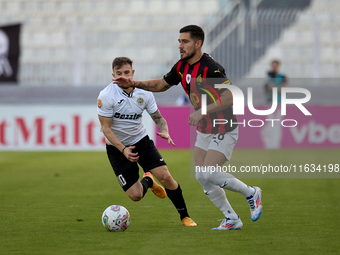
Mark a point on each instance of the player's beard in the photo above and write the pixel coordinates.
(123, 88)
(190, 55)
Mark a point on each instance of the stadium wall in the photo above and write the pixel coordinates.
(76, 127)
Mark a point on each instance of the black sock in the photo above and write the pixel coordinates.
(146, 183)
(177, 199)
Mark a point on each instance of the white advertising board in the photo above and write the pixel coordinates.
(54, 127)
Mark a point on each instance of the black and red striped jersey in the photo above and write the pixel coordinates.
(200, 78)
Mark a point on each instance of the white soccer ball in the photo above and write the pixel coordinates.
(116, 218)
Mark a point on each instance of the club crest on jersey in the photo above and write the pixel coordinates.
(99, 103)
(188, 78)
(140, 101)
(199, 80)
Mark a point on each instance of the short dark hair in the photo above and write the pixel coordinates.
(196, 32)
(120, 61)
(278, 62)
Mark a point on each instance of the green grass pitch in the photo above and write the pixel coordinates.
(52, 202)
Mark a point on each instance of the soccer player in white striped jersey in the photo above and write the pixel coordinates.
(120, 115)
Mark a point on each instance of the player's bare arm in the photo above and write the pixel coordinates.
(162, 126)
(105, 123)
(227, 101)
(160, 122)
(156, 85)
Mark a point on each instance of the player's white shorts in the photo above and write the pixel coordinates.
(223, 143)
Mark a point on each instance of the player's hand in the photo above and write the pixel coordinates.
(133, 157)
(194, 118)
(167, 137)
(123, 82)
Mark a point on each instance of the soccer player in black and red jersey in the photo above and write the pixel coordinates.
(198, 73)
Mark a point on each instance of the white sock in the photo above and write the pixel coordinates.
(217, 196)
(229, 182)
(240, 187)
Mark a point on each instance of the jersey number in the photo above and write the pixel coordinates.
(219, 137)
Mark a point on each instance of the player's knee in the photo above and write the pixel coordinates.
(202, 174)
(206, 175)
(202, 180)
(135, 196)
(199, 177)
(207, 179)
(167, 180)
(213, 179)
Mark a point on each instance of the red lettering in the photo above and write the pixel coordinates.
(89, 129)
(26, 133)
(3, 126)
(61, 136)
(76, 131)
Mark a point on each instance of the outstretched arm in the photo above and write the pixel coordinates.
(157, 85)
(162, 126)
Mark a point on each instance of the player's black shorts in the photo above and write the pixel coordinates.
(127, 172)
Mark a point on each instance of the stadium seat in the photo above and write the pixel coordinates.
(314, 40)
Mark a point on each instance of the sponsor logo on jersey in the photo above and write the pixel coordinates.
(217, 71)
(140, 101)
(99, 103)
(135, 116)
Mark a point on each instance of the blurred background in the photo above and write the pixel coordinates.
(60, 51)
(72, 43)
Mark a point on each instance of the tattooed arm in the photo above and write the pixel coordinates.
(162, 126)
(160, 122)
(157, 85)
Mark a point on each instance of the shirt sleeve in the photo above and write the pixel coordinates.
(151, 106)
(217, 76)
(172, 77)
(104, 106)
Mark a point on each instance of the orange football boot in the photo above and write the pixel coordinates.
(157, 189)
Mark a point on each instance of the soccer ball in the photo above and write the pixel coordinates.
(116, 218)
